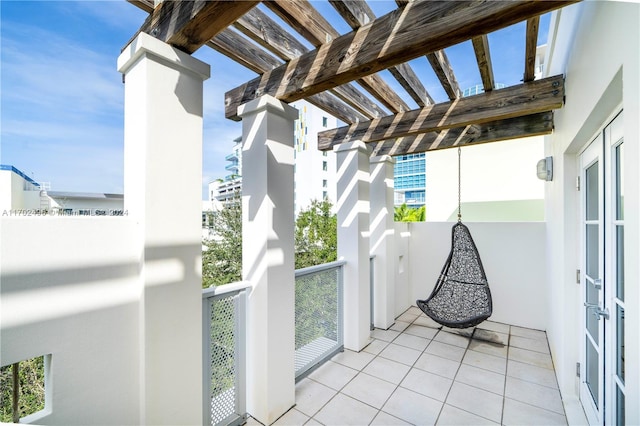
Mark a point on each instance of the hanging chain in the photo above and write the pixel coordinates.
(459, 185)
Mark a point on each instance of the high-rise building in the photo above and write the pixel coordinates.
(315, 171)
(409, 180)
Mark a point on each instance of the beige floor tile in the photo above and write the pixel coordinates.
(485, 361)
(311, 396)
(375, 347)
(400, 354)
(413, 342)
(333, 375)
(536, 345)
(531, 357)
(454, 353)
(292, 417)
(452, 339)
(483, 379)
(386, 335)
(534, 394)
(426, 322)
(491, 336)
(421, 331)
(386, 369)
(532, 373)
(519, 413)
(477, 401)
(384, 419)
(313, 422)
(400, 326)
(369, 389)
(351, 359)
(414, 310)
(412, 407)
(427, 384)
(252, 422)
(528, 332)
(343, 410)
(437, 365)
(490, 348)
(453, 416)
(494, 326)
(408, 317)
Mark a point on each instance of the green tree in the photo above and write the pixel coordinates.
(31, 389)
(403, 213)
(222, 260)
(316, 240)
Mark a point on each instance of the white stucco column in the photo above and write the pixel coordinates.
(268, 254)
(162, 188)
(353, 240)
(382, 240)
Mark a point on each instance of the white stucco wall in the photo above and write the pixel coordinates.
(503, 171)
(596, 45)
(513, 258)
(402, 298)
(69, 290)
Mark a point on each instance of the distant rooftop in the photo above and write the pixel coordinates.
(19, 173)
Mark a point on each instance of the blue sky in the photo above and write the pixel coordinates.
(61, 110)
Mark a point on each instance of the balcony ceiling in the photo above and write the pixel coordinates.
(324, 76)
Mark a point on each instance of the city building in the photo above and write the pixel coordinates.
(315, 177)
(409, 178)
(21, 195)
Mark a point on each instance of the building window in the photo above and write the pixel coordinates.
(324, 195)
(27, 377)
(325, 121)
(324, 153)
(324, 183)
(324, 166)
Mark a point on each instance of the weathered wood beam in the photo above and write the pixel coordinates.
(483, 57)
(187, 25)
(441, 66)
(531, 44)
(260, 28)
(401, 35)
(238, 48)
(146, 5)
(524, 99)
(494, 131)
(307, 21)
(358, 13)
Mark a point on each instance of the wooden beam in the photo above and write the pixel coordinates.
(483, 57)
(187, 25)
(494, 131)
(358, 13)
(530, 50)
(441, 66)
(515, 101)
(404, 34)
(238, 48)
(260, 28)
(307, 21)
(146, 5)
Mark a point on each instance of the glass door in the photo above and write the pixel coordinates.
(592, 365)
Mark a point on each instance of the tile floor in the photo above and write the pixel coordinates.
(418, 373)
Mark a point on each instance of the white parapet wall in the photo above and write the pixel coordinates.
(513, 256)
(70, 290)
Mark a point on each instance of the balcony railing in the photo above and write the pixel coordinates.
(224, 341)
(318, 316)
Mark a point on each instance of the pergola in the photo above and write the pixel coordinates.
(290, 71)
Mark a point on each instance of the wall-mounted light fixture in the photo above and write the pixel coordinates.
(544, 169)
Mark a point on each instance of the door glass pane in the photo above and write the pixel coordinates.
(619, 182)
(592, 192)
(619, 406)
(592, 371)
(592, 251)
(620, 262)
(620, 343)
